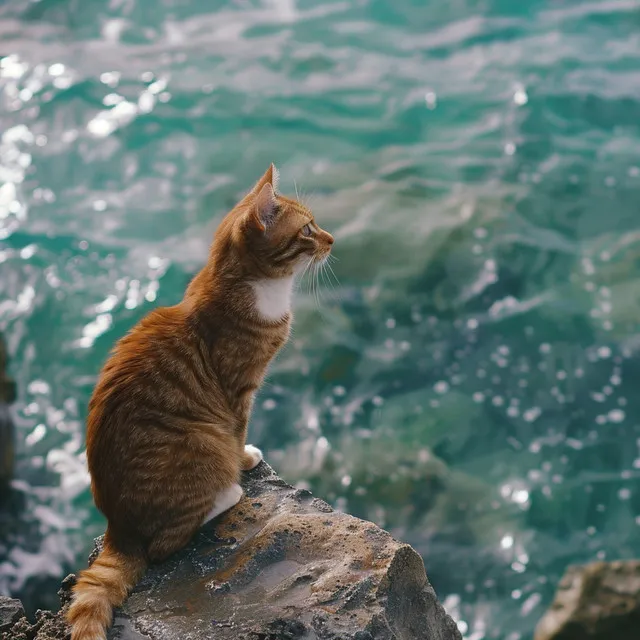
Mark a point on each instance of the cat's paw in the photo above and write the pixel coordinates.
(251, 458)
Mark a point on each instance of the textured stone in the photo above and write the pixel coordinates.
(281, 565)
(599, 601)
(10, 612)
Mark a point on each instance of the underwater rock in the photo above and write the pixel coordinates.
(282, 565)
(599, 601)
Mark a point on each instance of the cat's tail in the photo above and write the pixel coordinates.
(100, 588)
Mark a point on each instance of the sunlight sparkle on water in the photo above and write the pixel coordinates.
(520, 97)
(94, 329)
(506, 542)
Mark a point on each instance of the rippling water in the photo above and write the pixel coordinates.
(469, 382)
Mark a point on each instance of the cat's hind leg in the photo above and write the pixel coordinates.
(226, 499)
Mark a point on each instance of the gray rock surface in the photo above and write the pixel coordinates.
(281, 565)
(598, 601)
(47, 625)
(10, 612)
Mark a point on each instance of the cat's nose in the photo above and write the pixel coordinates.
(329, 238)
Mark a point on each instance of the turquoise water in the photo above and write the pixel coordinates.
(470, 379)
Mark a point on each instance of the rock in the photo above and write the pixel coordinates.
(7, 385)
(47, 626)
(10, 612)
(7, 396)
(281, 565)
(6, 447)
(599, 601)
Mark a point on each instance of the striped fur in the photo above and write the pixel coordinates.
(101, 587)
(167, 424)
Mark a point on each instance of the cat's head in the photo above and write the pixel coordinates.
(279, 235)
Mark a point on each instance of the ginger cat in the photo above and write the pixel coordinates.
(168, 418)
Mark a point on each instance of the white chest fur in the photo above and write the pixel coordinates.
(273, 297)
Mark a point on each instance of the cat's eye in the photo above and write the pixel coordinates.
(306, 230)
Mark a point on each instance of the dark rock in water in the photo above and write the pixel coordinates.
(7, 396)
(281, 565)
(6, 447)
(7, 385)
(599, 601)
(10, 612)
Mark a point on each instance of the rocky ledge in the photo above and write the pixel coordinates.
(280, 565)
(598, 601)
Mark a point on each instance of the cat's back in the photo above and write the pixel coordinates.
(150, 343)
(146, 371)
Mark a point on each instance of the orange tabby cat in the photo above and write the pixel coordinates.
(168, 418)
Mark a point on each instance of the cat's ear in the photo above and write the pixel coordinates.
(265, 208)
(271, 177)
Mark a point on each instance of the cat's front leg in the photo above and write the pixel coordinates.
(251, 457)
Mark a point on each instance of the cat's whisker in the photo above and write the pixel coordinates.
(312, 273)
(329, 289)
(325, 276)
(306, 268)
(306, 198)
(333, 291)
(332, 272)
(305, 271)
(317, 286)
(333, 259)
(327, 285)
